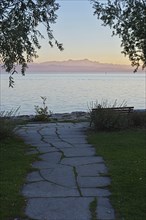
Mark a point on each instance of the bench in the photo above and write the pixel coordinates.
(120, 110)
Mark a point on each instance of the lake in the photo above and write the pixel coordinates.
(73, 91)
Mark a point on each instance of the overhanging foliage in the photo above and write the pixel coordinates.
(19, 37)
(127, 18)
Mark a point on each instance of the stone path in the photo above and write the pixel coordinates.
(69, 177)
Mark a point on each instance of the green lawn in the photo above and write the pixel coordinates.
(14, 165)
(125, 156)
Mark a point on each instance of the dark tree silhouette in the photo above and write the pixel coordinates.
(127, 18)
(19, 36)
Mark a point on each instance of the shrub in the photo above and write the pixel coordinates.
(5, 128)
(105, 118)
(138, 119)
(7, 123)
(42, 113)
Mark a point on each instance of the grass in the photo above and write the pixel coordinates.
(15, 164)
(125, 156)
(92, 209)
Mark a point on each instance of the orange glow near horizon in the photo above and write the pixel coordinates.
(111, 60)
(82, 35)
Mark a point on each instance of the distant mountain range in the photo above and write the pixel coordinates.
(78, 66)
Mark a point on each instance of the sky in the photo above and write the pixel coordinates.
(82, 35)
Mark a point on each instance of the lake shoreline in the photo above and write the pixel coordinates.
(73, 116)
(76, 115)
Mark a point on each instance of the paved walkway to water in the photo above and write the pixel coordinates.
(69, 177)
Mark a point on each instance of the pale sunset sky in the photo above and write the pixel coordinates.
(82, 36)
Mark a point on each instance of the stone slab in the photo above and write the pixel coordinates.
(92, 169)
(72, 135)
(34, 177)
(67, 132)
(105, 213)
(61, 144)
(32, 141)
(75, 140)
(43, 144)
(46, 149)
(51, 140)
(59, 208)
(48, 131)
(43, 165)
(93, 181)
(72, 152)
(60, 175)
(95, 192)
(104, 209)
(77, 161)
(104, 202)
(79, 145)
(52, 158)
(46, 189)
(33, 125)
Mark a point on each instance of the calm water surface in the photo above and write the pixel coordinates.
(71, 92)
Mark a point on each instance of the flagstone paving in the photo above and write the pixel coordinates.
(69, 175)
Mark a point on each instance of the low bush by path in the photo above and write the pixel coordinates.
(125, 156)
